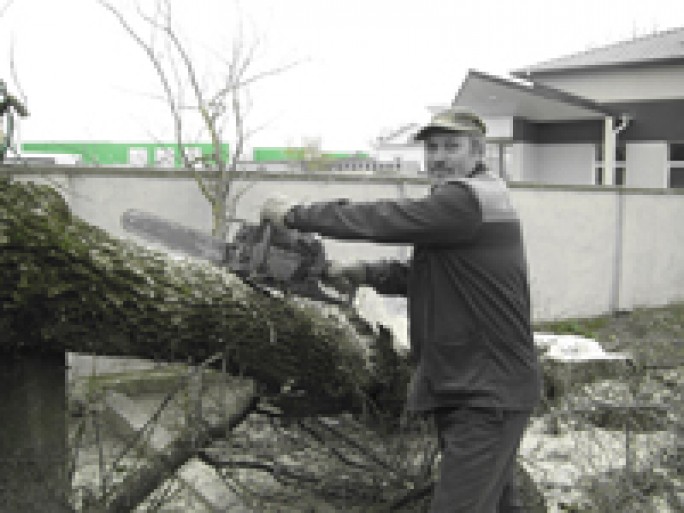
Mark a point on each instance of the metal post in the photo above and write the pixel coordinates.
(609, 138)
(617, 252)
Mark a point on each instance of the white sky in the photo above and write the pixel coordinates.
(365, 65)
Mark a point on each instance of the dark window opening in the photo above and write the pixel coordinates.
(676, 151)
(677, 177)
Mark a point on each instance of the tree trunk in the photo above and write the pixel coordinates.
(34, 435)
(68, 286)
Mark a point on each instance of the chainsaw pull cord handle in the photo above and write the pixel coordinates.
(260, 250)
(266, 243)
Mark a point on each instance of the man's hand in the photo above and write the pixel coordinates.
(345, 277)
(275, 208)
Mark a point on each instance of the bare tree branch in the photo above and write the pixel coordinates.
(170, 97)
(3, 8)
(224, 111)
(15, 75)
(255, 78)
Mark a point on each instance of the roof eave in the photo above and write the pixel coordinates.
(530, 73)
(541, 91)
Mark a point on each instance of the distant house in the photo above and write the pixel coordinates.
(123, 154)
(608, 116)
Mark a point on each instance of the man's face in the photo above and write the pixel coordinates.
(449, 156)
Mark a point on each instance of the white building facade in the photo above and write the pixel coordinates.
(566, 121)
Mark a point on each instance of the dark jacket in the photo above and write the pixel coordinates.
(467, 288)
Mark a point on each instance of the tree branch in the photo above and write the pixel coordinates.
(3, 9)
(15, 75)
(168, 91)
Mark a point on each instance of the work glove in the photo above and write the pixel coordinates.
(275, 208)
(345, 278)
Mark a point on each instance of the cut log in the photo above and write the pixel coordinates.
(69, 286)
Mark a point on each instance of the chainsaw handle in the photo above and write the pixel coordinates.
(260, 250)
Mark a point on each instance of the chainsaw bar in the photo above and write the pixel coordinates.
(174, 236)
(263, 255)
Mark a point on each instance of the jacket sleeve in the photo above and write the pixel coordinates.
(388, 276)
(450, 214)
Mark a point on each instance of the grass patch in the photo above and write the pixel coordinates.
(585, 327)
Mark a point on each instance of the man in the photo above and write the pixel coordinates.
(469, 307)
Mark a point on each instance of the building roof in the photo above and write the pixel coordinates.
(654, 48)
(488, 95)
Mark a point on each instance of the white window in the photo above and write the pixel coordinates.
(194, 156)
(137, 157)
(675, 156)
(164, 157)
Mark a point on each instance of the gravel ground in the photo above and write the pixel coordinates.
(653, 483)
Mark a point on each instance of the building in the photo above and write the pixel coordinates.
(127, 154)
(607, 116)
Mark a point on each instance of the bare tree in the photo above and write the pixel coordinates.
(224, 107)
(4, 6)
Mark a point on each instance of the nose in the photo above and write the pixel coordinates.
(438, 156)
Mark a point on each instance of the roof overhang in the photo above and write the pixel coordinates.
(491, 96)
(541, 71)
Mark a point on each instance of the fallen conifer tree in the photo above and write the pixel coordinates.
(70, 286)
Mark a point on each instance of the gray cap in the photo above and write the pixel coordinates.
(453, 120)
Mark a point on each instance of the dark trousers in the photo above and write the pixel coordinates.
(479, 448)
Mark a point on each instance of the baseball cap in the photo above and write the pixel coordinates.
(453, 120)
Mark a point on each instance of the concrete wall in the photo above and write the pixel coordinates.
(570, 232)
(652, 271)
(570, 242)
(650, 83)
(646, 164)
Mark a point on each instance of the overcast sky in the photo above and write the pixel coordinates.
(363, 65)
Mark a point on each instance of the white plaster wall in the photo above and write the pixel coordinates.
(499, 127)
(564, 164)
(102, 199)
(569, 237)
(653, 261)
(652, 83)
(646, 164)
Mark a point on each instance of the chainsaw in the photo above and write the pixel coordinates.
(266, 256)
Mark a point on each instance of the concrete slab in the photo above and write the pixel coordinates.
(126, 418)
(205, 482)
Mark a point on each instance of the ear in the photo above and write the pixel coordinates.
(477, 146)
